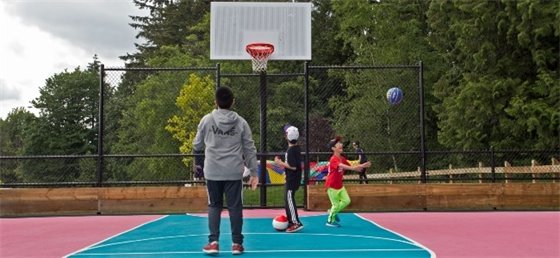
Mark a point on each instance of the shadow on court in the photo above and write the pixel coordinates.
(184, 235)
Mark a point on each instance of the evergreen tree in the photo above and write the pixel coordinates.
(502, 86)
(13, 131)
(67, 125)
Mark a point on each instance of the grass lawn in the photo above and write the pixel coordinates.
(274, 195)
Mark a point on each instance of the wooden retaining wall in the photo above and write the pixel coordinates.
(443, 197)
(105, 200)
(372, 197)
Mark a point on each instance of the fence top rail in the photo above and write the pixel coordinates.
(258, 75)
(160, 68)
(489, 151)
(50, 157)
(416, 66)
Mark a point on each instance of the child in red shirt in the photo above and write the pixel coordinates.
(335, 189)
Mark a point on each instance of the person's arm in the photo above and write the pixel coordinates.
(355, 168)
(250, 154)
(198, 146)
(282, 163)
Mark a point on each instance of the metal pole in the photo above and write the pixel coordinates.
(306, 110)
(263, 138)
(422, 125)
(101, 128)
(218, 75)
(493, 164)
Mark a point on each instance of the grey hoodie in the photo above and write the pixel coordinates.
(226, 139)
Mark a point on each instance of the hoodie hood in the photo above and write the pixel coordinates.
(225, 119)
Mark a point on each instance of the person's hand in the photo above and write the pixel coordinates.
(366, 165)
(253, 181)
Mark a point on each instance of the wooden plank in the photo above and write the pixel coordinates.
(147, 206)
(47, 201)
(119, 193)
(545, 169)
(541, 169)
(485, 196)
(153, 200)
(85, 193)
(462, 196)
(15, 208)
(372, 197)
(518, 170)
(110, 200)
(530, 196)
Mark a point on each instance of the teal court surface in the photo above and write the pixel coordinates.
(185, 235)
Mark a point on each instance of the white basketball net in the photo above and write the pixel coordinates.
(259, 65)
(260, 54)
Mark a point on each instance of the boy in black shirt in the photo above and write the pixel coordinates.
(293, 172)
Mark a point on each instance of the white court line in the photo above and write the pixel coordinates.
(204, 215)
(264, 251)
(409, 242)
(299, 234)
(432, 253)
(147, 239)
(88, 247)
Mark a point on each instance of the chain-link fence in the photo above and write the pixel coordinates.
(351, 102)
(147, 116)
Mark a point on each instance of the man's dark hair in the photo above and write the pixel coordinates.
(224, 97)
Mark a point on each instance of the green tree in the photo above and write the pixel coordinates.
(384, 32)
(12, 139)
(168, 24)
(12, 131)
(195, 100)
(502, 86)
(143, 126)
(67, 125)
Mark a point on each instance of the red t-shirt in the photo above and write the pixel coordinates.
(336, 173)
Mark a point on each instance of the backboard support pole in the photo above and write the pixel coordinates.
(263, 129)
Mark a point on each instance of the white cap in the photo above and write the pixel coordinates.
(292, 133)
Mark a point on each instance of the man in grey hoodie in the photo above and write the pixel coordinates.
(227, 142)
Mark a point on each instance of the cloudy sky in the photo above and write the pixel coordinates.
(39, 38)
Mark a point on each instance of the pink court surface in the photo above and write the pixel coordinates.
(448, 234)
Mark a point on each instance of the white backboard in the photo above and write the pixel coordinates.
(233, 25)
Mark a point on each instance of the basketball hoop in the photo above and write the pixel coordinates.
(259, 53)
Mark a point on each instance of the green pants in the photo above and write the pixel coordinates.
(339, 200)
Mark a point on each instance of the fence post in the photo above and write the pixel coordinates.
(534, 163)
(480, 169)
(506, 166)
(493, 164)
(554, 162)
(101, 127)
(422, 127)
(450, 175)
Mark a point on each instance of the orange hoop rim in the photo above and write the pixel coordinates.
(260, 49)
